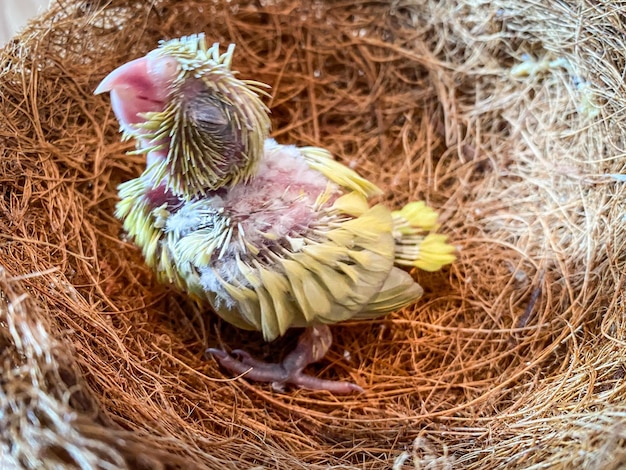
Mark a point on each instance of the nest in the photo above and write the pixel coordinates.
(506, 116)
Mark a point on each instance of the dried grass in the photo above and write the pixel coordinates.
(515, 357)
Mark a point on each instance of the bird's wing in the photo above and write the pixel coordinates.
(399, 290)
(327, 280)
(141, 223)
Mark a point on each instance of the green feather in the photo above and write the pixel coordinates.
(283, 311)
(296, 275)
(398, 291)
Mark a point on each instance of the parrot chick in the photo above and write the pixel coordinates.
(271, 236)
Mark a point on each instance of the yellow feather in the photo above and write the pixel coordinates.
(247, 304)
(299, 276)
(278, 288)
(370, 225)
(398, 291)
(197, 248)
(322, 161)
(366, 259)
(335, 282)
(328, 253)
(248, 273)
(341, 237)
(352, 203)
(316, 296)
(269, 320)
(350, 270)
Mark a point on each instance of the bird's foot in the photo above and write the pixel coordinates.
(312, 346)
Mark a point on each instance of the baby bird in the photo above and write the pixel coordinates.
(271, 236)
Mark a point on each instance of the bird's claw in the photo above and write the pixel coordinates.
(242, 363)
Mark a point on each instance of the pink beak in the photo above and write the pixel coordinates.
(124, 76)
(140, 86)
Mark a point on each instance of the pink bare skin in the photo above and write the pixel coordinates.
(142, 86)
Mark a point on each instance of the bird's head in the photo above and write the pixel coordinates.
(200, 126)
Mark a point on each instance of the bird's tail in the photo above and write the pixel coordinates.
(417, 243)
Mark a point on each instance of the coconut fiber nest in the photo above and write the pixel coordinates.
(505, 116)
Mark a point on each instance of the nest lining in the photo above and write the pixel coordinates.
(514, 356)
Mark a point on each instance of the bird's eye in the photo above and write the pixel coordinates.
(203, 107)
(210, 114)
